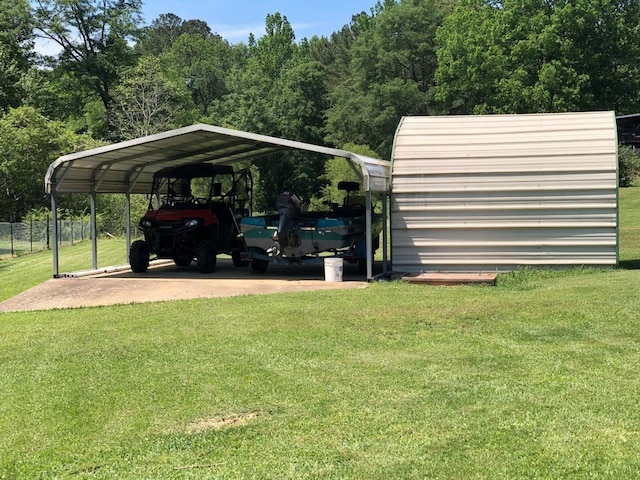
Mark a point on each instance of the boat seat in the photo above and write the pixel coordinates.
(358, 200)
(345, 212)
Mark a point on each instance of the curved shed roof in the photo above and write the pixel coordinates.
(128, 167)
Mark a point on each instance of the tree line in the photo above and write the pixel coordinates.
(116, 78)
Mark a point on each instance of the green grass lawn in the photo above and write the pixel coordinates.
(535, 378)
(630, 227)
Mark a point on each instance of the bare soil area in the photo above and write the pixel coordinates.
(168, 282)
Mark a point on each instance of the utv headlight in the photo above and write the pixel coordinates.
(193, 223)
(145, 223)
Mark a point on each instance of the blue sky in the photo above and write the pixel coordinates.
(234, 20)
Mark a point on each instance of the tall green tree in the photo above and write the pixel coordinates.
(334, 53)
(248, 106)
(94, 38)
(57, 95)
(470, 59)
(163, 32)
(274, 51)
(297, 102)
(160, 35)
(147, 102)
(539, 56)
(300, 101)
(392, 70)
(202, 63)
(28, 144)
(280, 92)
(16, 43)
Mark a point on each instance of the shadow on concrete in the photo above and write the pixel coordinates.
(226, 270)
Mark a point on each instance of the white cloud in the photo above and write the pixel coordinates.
(237, 33)
(232, 33)
(240, 33)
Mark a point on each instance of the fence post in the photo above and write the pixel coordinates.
(11, 236)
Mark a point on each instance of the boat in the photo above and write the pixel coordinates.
(296, 236)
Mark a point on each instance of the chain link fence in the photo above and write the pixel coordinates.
(34, 236)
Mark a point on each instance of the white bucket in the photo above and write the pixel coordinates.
(333, 269)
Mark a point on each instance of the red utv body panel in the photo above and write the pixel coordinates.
(169, 215)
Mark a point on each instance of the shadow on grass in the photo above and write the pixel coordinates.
(630, 264)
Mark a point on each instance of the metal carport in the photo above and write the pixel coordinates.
(128, 168)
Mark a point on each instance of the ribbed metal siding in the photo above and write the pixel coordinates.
(500, 192)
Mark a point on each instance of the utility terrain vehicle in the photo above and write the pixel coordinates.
(193, 215)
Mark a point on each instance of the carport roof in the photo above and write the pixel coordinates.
(128, 167)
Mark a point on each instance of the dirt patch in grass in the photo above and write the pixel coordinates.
(219, 423)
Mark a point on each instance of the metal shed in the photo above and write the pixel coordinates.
(128, 167)
(500, 192)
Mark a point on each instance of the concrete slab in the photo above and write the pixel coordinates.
(168, 282)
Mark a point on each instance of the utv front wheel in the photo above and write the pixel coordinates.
(139, 256)
(206, 258)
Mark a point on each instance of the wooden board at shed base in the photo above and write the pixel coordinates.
(452, 278)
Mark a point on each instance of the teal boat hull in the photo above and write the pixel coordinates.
(315, 233)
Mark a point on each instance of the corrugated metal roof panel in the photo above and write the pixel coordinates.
(129, 166)
(503, 191)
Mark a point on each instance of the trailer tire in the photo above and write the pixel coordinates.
(258, 265)
(236, 257)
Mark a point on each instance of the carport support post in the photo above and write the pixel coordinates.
(94, 231)
(54, 229)
(384, 233)
(127, 219)
(369, 238)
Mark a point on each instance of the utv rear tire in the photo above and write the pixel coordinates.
(139, 256)
(206, 258)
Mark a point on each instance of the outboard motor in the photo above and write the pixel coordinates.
(288, 234)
